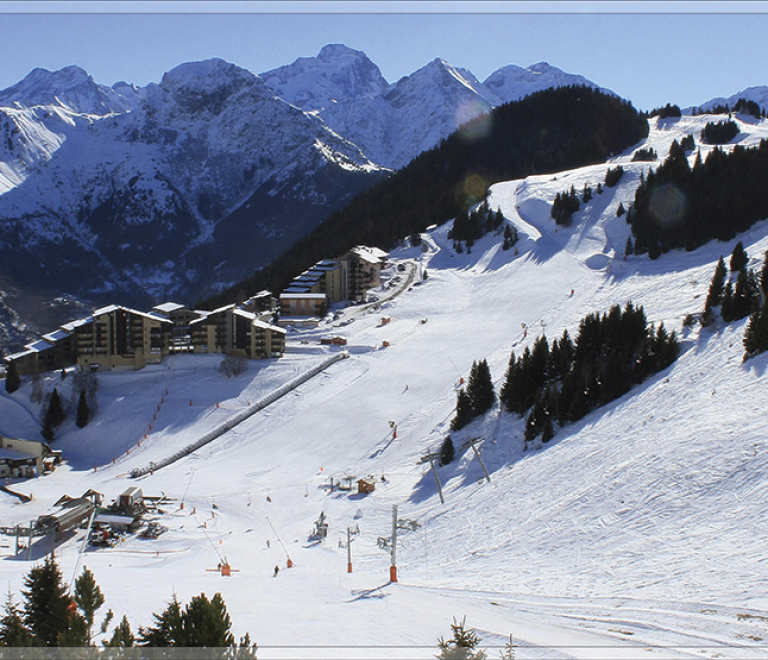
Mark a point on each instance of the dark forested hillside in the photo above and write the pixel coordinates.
(678, 206)
(548, 131)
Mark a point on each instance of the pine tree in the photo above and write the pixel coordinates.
(756, 332)
(763, 280)
(726, 303)
(168, 629)
(49, 435)
(447, 451)
(12, 378)
(547, 429)
(620, 210)
(122, 636)
(54, 416)
(510, 237)
(202, 623)
(83, 411)
(88, 598)
(462, 646)
(55, 409)
(510, 390)
(13, 632)
(207, 622)
(464, 413)
(480, 388)
(76, 632)
(744, 294)
(739, 258)
(47, 606)
(509, 649)
(715, 293)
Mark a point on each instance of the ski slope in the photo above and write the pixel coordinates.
(638, 532)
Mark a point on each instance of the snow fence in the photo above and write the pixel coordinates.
(241, 416)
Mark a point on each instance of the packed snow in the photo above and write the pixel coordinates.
(637, 532)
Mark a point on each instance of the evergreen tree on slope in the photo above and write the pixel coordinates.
(47, 606)
(715, 293)
(480, 388)
(13, 632)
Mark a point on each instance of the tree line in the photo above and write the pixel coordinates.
(562, 382)
(736, 292)
(51, 616)
(471, 226)
(679, 206)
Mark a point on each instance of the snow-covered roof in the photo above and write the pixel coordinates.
(112, 519)
(40, 345)
(307, 278)
(302, 296)
(113, 308)
(371, 255)
(19, 355)
(268, 326)
(205, 314)
(244, 314)
(57, 335)
(325, 266)
(72, 325)
(256, 322)
(14, 455)
(168, 307)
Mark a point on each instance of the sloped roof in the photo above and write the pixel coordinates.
(168, 307)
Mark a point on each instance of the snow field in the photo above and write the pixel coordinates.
(636, 532)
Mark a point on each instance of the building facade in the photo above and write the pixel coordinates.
(116, 337)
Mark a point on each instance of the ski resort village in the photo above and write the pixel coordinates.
(534, 428)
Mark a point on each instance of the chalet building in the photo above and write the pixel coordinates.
(256, 339)
(346, 278)
(364, 266)
(181, 317)
(302, 309)
(118, 337)
(26, 458)
(263, 303)
(213, 331)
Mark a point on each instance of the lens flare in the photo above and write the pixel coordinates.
(472, 189)
(667, 204)
(473, 119)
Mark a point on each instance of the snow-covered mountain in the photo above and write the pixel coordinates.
(338, 74)
(511, 83)
(635, 533)
(73, 88)
(210, 168)
(394, 123)
(758, 94)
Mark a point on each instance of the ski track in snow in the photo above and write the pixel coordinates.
(638, 532)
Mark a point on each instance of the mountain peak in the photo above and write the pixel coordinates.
(333, 51)
(206, 84)
(71, 86)
(338, 74)
(511, 82)
(543, 67)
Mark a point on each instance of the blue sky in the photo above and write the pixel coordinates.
(651, 52)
